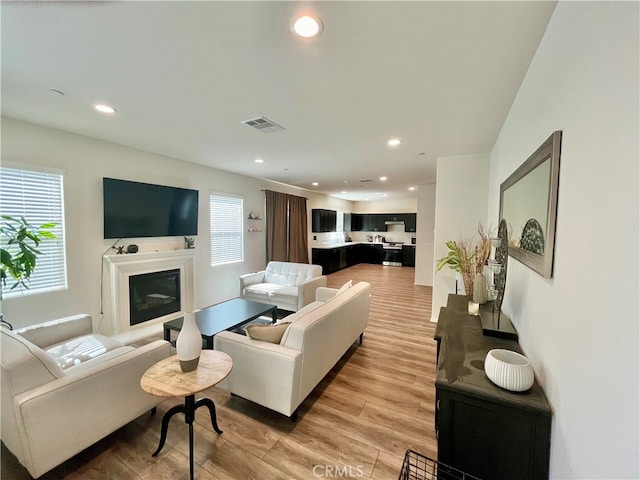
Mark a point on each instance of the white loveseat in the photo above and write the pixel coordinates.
(288, 285)
(64, 388)
(280, 376)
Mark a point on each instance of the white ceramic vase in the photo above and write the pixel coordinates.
(189, 343)
(509, 370)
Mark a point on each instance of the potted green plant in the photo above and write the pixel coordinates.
(19, 253)
(467, 257)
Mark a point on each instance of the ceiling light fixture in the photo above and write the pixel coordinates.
(306, 26)
(412, 189)
(315, 184)
(393, 142)
(259, 160)
(102, 108)
(383, 179)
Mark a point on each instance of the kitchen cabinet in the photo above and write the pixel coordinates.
(409, 222)
(357, 222)
(327, 258)
(483, 429)
(371, 253)
(408, 256)
(336, 258)
(323, 220)
(376, 222)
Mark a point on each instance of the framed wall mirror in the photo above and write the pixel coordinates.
(528, 203)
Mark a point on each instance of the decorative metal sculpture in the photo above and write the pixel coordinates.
(501, 257)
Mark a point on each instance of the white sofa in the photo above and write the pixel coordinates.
(288, 285)
(280, 376)
(64, 388)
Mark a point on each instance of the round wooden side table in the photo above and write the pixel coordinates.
(166, 379)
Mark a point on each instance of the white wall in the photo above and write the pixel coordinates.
(426, 222)
(85, 161)
(580, 328)
(391, 205)
(461, 199)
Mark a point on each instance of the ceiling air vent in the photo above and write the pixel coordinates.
(263, 124)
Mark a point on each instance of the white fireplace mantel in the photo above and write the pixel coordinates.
(118, 269)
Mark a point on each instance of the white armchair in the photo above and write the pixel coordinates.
(64, 388)
(288, 285)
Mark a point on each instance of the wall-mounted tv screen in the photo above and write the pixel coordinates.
(134, 209)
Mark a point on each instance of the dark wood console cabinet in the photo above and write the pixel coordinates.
(483, 429)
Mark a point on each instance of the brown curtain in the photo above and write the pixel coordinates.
(277, 226)
(298, 250)
(286, 227)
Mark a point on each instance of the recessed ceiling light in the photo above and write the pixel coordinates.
(315, 184)
(383, 179)
(412, 188)
(393, 142)
(343, 192)
(102, 108)
(306, 26)
(259, 160)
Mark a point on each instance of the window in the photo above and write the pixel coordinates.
(37, 196)
(227, 215)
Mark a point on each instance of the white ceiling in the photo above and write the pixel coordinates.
(441, 76)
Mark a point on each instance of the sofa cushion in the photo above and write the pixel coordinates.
(81, 349)
(263, 290)
(284, 295)
(24, 364)
(267, 333)
(291, 274)
(91, 363)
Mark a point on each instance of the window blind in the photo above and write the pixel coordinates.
(227, 217)
(36, 196)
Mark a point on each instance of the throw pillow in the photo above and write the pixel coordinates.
(267, 333)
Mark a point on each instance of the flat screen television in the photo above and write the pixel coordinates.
(134, 209)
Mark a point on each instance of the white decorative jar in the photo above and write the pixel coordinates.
(189, 343)
(509, 370)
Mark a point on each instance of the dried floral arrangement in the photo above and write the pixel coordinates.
(467, 257)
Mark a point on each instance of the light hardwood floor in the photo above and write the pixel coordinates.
(377, 402)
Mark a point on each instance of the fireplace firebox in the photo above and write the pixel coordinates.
(153, 295)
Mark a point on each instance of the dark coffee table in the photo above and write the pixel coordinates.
(223, 316)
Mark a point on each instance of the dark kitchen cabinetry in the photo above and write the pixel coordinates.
(484, 430)
(334, 259)
(323, 220)
(328, 258)
(377, 222)
(409, 222)
(408, 256)
(347, 222)
(374, 222)
(371, 253)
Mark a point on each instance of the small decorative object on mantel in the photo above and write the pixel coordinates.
(509, 370)
(254, 216)
(189, 242)
(189, 343)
